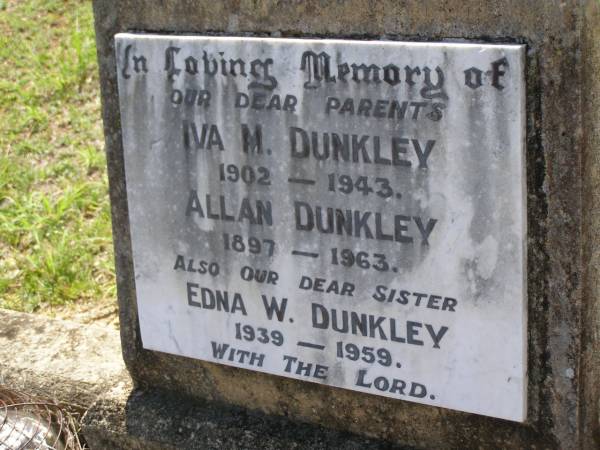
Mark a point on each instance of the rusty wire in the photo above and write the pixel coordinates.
(29, 423)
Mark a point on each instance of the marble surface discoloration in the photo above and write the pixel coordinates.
(410, 156)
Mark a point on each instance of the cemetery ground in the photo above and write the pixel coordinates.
(55, 233)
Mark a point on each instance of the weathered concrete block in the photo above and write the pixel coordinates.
(61, 360)
(562, 185)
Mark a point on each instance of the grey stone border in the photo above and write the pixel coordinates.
(562, 199)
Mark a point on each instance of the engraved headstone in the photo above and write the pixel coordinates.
(350, 213)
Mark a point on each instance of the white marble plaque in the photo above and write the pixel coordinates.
(350, 213)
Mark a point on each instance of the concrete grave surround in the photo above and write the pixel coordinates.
(437, 306)
(560, 81)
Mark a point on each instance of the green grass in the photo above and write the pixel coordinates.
(55, 237)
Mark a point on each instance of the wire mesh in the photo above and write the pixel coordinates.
(29, 423)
